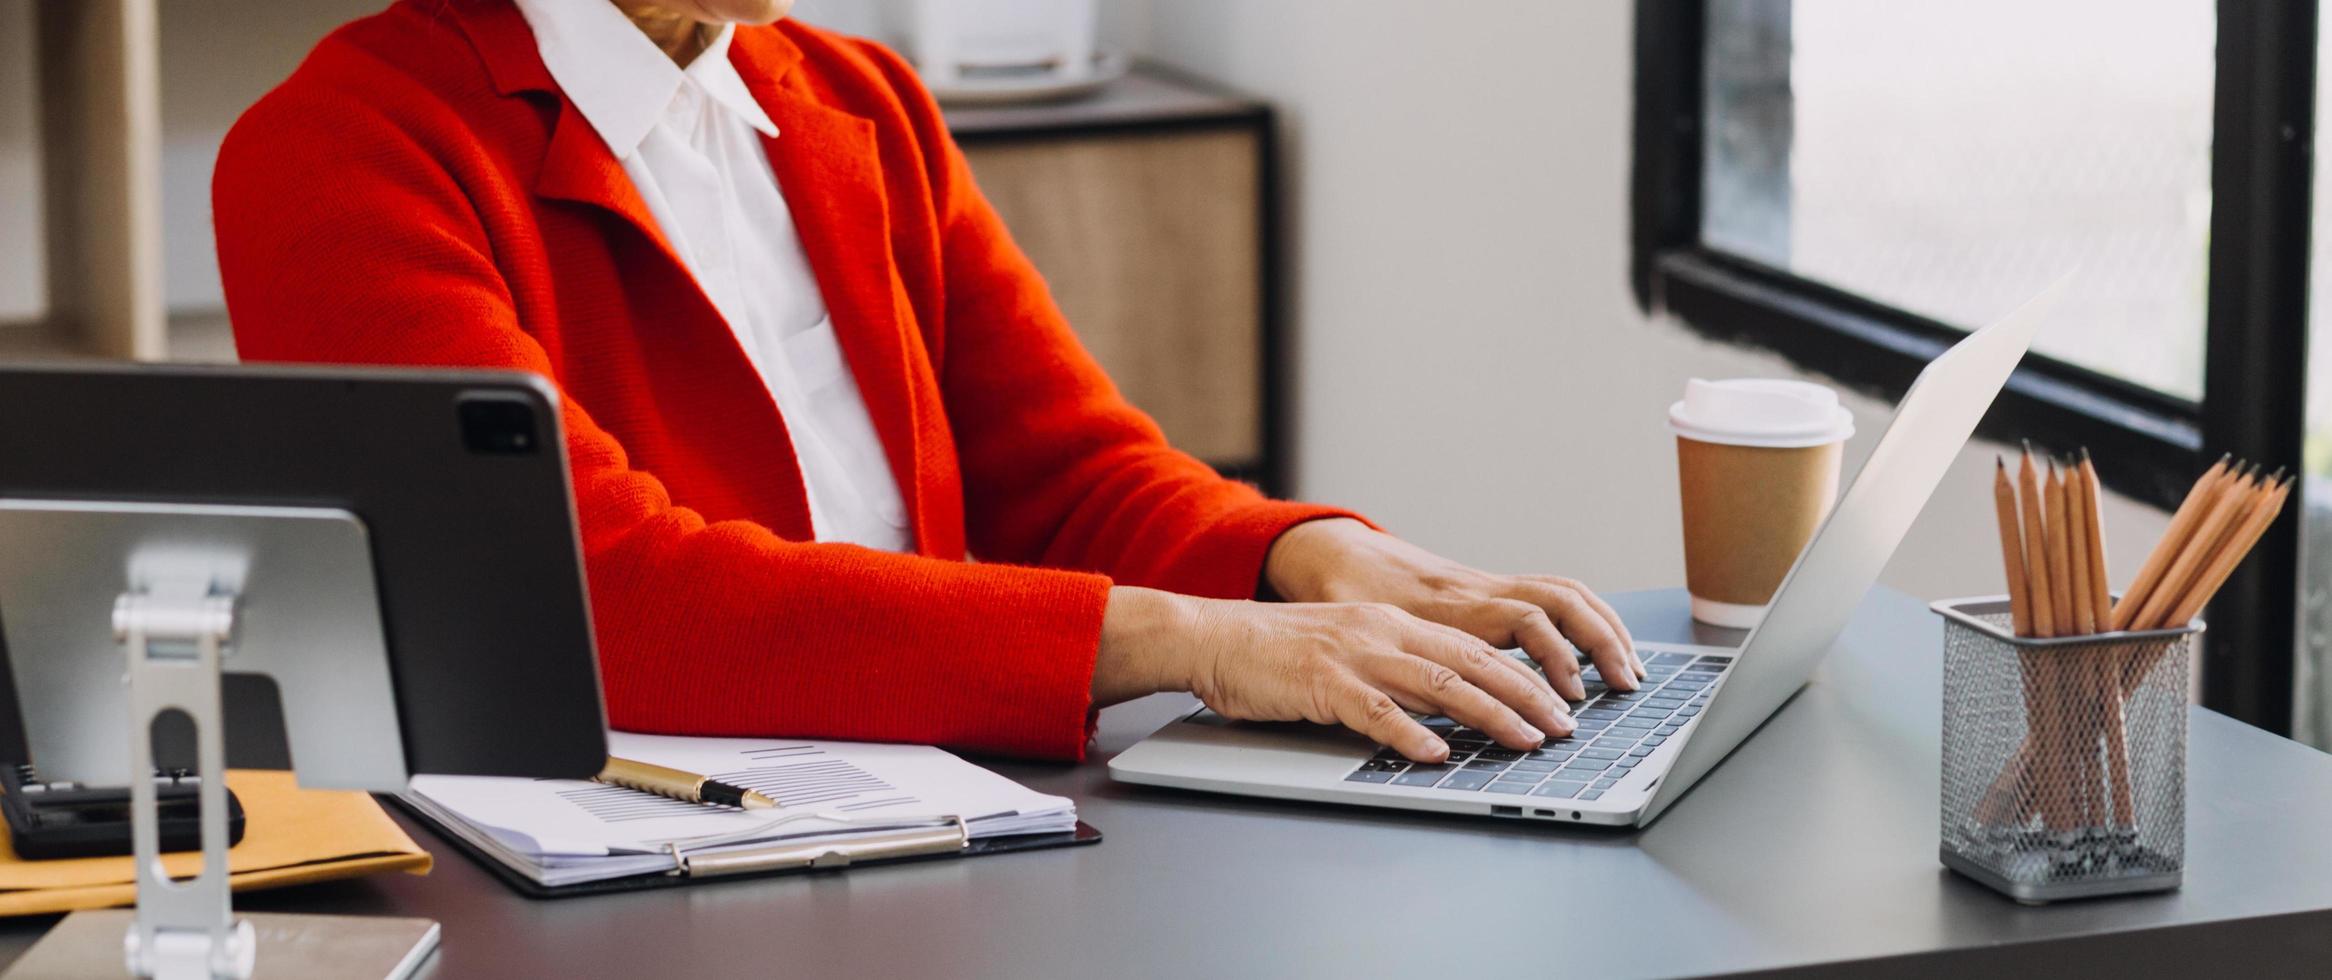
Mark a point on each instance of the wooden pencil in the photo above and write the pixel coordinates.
(2230, 554)
(2111, 782)
(2011, 548)
(2100, 594)
(2112, 697)
(2009, 799)
(2077, 525)
(2036, 559)
(2106, 669)
(2080, 676)
(2060, 554)
(2231, 503)
(2046, 724)
(2198, 500)
(2254, 525)
(2057, 757)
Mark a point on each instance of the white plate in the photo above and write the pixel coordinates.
(993, 87)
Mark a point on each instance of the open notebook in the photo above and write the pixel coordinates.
(558, 832)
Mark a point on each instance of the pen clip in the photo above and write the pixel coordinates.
(948, 838)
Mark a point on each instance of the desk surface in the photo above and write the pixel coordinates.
(1813, 847)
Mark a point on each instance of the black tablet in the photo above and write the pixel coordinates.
(455, 482)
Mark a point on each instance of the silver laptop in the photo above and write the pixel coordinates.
(1635, 752)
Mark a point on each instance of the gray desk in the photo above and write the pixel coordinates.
(1812, 850)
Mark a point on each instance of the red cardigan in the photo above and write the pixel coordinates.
(419, 192)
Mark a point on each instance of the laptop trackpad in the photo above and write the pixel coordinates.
(1284, 734)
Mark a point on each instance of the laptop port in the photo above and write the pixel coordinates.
(1505, 811)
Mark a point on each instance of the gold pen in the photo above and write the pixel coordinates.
(680, 785)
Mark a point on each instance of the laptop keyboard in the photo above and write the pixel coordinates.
(1617, 731)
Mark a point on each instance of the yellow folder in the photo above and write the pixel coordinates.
(291, 836)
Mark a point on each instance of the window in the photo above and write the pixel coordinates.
(2314, 722)
(1856, 184)
(1917, 154)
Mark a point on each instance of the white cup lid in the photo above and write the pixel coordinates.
(1764, 412)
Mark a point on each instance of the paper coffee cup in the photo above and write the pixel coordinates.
(1757, 465)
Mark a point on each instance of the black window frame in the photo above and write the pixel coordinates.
(2147, 444)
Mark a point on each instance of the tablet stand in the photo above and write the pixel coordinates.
(183, 929)
(176, 635)
(283, 591)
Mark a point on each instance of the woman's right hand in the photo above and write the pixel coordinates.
(1363, 666)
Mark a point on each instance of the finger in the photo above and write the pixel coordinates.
(1449, 693)
(1584, 627)
(1610, 618)
(1501, 676)
(1468, 640)
(1371, 712)
(1537, 636)
(1516, 623)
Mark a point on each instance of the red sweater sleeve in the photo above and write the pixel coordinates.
(344, 237)
(1058, 468)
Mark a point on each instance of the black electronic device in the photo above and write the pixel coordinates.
(69, 820)
(458, 479)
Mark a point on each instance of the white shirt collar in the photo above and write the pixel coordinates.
(621, 82)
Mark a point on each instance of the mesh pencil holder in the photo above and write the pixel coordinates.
(2064, 760)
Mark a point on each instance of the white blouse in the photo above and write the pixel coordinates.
(690, 140)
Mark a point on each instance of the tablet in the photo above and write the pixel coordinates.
(455, 483)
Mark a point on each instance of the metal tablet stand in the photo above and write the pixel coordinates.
(184, 929)
(283, 591)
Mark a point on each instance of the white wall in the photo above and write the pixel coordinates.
(1473, 371)
(218, 57)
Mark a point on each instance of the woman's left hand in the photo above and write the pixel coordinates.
(1343, 560)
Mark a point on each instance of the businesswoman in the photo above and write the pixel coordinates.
(841, 468)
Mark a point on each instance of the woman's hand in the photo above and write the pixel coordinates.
(1343, 560)
(1361, 665)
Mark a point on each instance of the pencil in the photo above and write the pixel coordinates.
(2117, 747)
(2254, 525)
(2056, 757)
(2059, 545)
(2198, 499)
(2044, 695)
(2231, 554)
(2011, 548)
(2231, 503)
(2106, 670)
(2100, 595)
(2077, 524)
(2009, 796)
(2036, 559)
(2098, 785)
(2070, 674)
(2009, 799)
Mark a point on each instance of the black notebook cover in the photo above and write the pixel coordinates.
(1084, 834)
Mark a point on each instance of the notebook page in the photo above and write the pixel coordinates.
(868, 784)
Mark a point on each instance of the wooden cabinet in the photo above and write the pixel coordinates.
(1148, 210)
